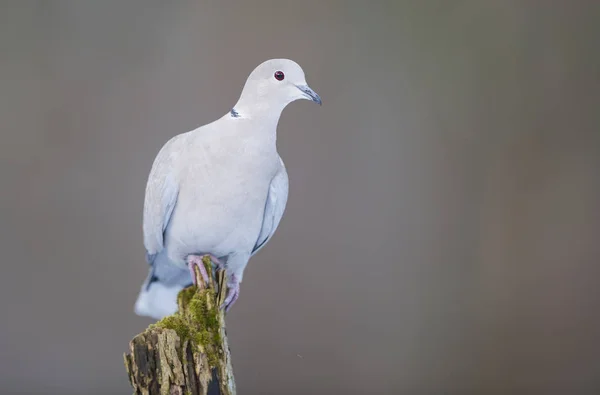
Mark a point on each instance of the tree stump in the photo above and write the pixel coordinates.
(187, 352)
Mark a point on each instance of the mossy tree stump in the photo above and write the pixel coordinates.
(186, 353)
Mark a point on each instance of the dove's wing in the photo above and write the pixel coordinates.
(162, 190)
(274, 207)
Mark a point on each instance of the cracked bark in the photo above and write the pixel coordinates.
(188, 352)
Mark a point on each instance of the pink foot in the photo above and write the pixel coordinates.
(196, 260)
(233, 292)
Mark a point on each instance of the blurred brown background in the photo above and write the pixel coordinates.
(441, 235)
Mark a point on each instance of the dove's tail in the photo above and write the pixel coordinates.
(157, 299)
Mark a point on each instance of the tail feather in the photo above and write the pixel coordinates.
(157, 299)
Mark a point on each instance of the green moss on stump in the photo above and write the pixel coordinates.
(198, 319)
(175, 322)
(159, 360)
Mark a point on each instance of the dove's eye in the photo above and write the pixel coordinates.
(279, 76)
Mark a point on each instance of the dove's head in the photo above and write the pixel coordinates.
(274, 84)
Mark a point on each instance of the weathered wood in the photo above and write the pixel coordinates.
(185, 353)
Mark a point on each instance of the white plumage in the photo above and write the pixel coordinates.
(220, 189)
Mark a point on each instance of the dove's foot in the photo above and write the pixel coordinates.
(233, 292)
(196, 260)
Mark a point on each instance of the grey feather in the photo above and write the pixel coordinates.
(274, 208)
(161, 196)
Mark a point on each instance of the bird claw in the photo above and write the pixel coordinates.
(233, 292)
(196, 260)
(233, 285)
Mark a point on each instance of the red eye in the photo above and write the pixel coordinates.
(279, 76)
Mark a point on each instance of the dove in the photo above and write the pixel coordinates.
(219, 191)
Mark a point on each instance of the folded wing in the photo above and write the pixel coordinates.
(274, 207)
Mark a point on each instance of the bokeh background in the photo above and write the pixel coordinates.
(441, 235)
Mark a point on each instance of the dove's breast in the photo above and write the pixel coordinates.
(222, 195)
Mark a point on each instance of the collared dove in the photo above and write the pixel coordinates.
(219, 190)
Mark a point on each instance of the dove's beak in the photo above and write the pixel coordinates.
(310, 94)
